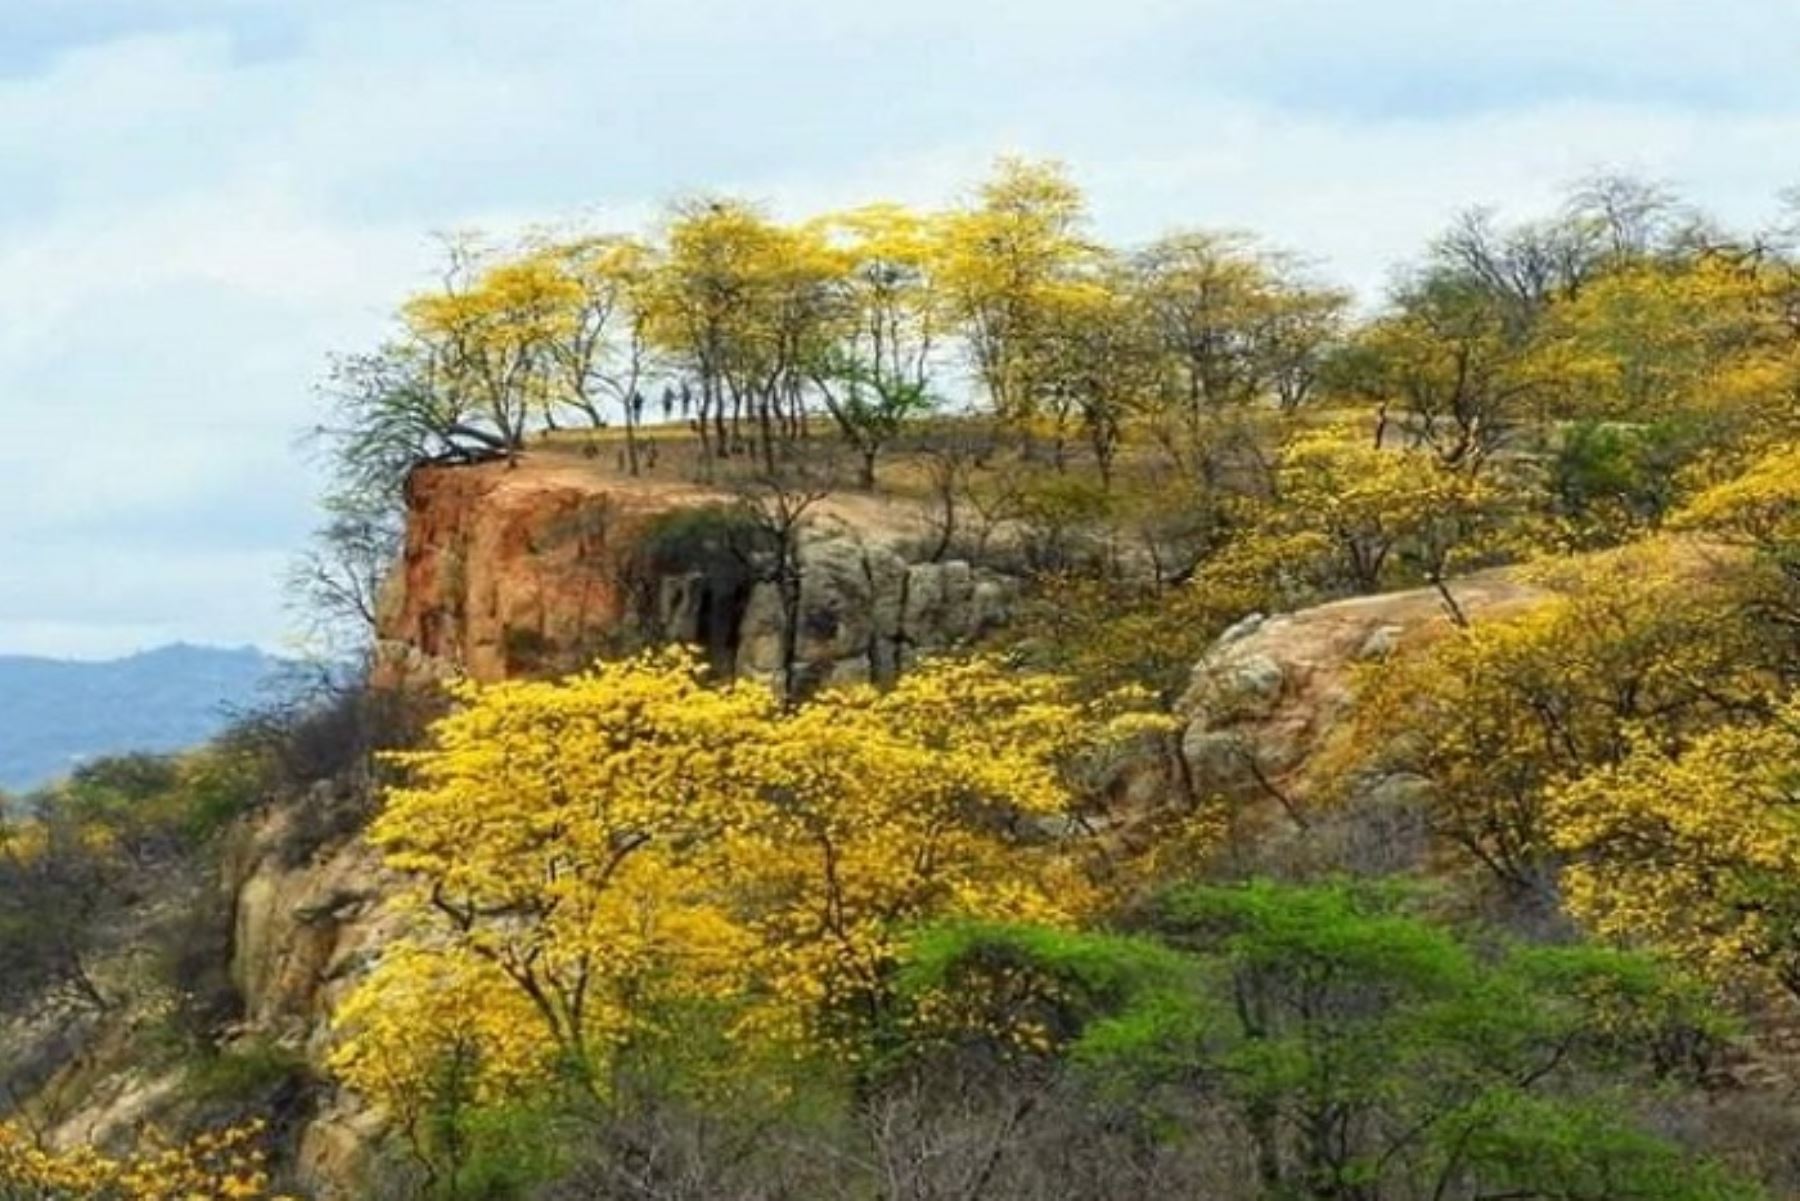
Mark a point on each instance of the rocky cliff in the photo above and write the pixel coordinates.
(308, 918)
(537, 567)
(295, 910)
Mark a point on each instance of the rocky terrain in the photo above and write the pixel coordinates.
(518, 571)
(1268, 696)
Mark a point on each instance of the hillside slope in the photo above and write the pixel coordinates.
(520, 572)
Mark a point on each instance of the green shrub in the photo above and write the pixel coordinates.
(496, 1153)
(247, 1072)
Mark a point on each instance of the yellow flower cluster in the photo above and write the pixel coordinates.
(1697, 852)
(227, 1165)
(1759, 509)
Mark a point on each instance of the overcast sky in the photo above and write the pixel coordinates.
(200, 199)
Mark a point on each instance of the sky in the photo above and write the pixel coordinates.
(201, 200)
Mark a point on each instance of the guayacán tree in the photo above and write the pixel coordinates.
(442, 1037)
(1233, 325)
(634, 838)
(1496, 717)
(483, 341)
(1379, 512)
(744, 305)
(1653, 341)
(1010, 260)
(1103, 364)
(874, 375)
(1694, 849)
(1446, 367)
(1757, 511)
(508, 340)
(599, 360)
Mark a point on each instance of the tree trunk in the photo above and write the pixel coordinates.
(766, 431)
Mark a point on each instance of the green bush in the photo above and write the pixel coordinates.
(1613, 480)
(507, 1152)
(248, 1072)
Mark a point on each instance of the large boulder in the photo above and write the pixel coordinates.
(1271, 689)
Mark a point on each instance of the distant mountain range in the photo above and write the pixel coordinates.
(56, 714)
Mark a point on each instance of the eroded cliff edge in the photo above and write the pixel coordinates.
(536, 568)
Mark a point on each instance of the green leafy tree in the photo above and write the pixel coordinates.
(1365, 1052)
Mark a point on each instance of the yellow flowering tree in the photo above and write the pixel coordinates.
(482, 344)
(946, 795)
(439, 1033)
(873, 373)
(1235, 325)
(598, 354)
(743, 304)
(631, 841)
(1497, 716)
(1381, 511)
(1446, 368)
(569, 835)
(1102, 358)
(1758, 511)
(1650, 341)
(1009, 263)
(1696, 851)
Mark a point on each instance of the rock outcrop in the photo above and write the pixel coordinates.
(864, 611)
(310, 915)
(535, 569)
(503, 568)
(1273, 689)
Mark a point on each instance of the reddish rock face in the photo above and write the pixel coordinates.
(537, 569)
(511, 571)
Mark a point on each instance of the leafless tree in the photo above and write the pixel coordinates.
(335, 583)
(779, 505)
